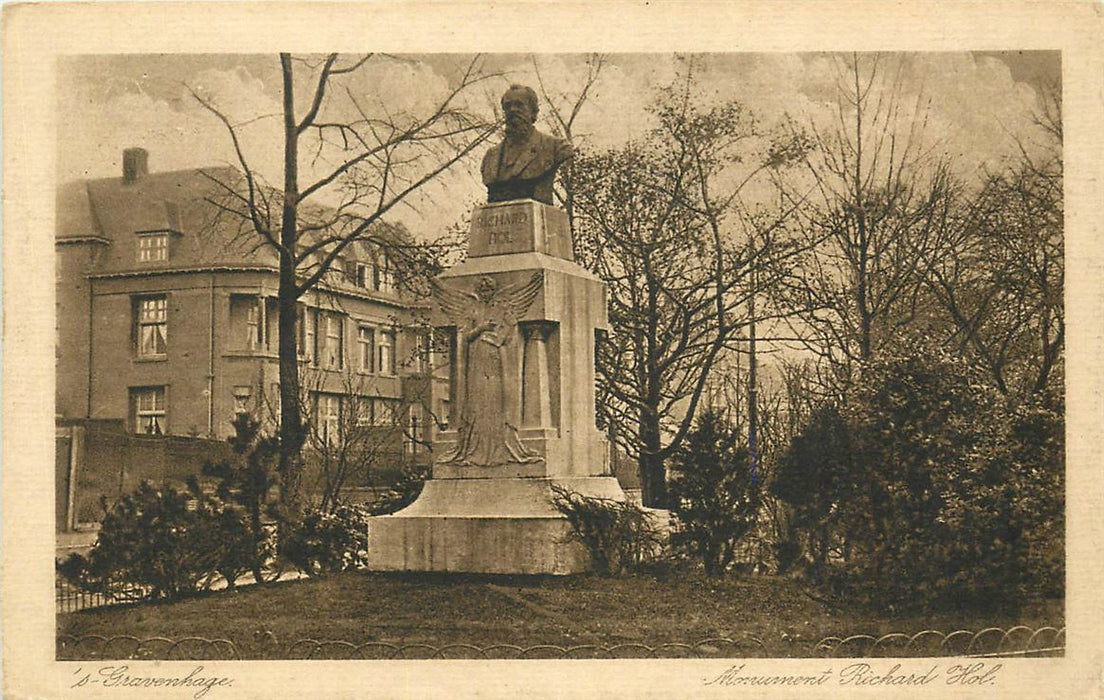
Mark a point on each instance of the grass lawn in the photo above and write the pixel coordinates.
(483, 610)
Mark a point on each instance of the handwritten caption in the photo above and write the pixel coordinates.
(121, 677)
(865, 674)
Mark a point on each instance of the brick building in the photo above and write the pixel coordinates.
(166, 320)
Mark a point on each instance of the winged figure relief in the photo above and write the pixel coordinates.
(486, 322)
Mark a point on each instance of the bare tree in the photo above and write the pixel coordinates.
(881, 203)
(654, 222)
(364, 159)
(999, 281)
(352, 431)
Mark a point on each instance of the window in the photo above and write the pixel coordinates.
(153, 247)
(443, 414)
(152, 326)
(306, 324)
(387, 352)
(386, 411)
(335, 342)
(243, 395)
(255, 325)
(249, 322)
(364, 406)
(420, 363)
(149, 410)
(363, 276)
(366, 341)
(384, 281)
(329, 418)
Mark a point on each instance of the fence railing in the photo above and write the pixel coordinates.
(70, 598)
(1019, 641)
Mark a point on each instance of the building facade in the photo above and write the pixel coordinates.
(167, 322)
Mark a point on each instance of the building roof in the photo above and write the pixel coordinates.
(114, 208)
(182, 203)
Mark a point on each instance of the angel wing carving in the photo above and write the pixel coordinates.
(519, 297)
(456, 303)
(459, 304)
(486, 321)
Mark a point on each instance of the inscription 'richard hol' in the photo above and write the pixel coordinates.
(505, 218)
(502, 227)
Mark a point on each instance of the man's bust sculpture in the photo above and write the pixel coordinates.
(524, 165)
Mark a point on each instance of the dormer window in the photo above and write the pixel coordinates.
(153, 246)
(384, 279)
(375, 275)
(363, 276)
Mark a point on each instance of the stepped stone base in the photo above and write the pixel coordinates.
(498, 525)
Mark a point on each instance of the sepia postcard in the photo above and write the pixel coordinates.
(553, 349)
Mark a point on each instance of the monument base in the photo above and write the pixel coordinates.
(496, 525)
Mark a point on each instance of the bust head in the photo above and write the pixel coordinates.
(524, 165)
(519, 108)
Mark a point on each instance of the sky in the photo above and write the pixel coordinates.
(976, 105)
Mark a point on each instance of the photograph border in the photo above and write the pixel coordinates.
(34, 35)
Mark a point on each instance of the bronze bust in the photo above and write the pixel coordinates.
(524, 165)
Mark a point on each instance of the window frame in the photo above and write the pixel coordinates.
(388, 368)
(147, 254)
(307, 334)
(152, 318)
(367, 349)
(335, 360)
(255, 323)
(328, 422)
(158, 410)
(363, 276)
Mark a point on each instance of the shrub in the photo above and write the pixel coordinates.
(248, 481)
(404, 491)
(329, 542)
(163, 543)
(618, 535)
(714, 496)
(814, 475)
(952, 494)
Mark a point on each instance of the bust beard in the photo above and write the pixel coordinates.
(519, 133)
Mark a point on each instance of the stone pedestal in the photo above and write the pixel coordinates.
(497, 517)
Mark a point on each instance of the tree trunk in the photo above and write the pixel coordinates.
(653, 476)
(291, 422)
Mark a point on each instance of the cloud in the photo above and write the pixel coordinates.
(975, 110)
(97, 123)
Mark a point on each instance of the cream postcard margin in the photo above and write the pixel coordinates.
(34, 35)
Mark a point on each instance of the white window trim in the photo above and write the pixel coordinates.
(366, 349)
(148, 249)
(158, 410)
(388, 368)
(158, 317)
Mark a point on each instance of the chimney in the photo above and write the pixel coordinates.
(135, 164)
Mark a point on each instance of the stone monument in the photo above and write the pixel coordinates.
(521, 316)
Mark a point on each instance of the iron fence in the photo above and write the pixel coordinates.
(71, 598)
(1018, 641)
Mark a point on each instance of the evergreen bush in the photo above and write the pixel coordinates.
(933, 489)
(714, 495)
(163, 543)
